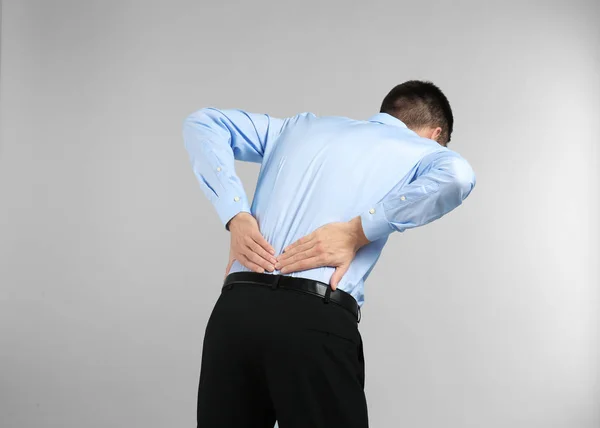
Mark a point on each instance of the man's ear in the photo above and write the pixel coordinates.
(436, 133)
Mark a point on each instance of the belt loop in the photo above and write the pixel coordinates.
(275, 283)
(327, 294)
(228, 278)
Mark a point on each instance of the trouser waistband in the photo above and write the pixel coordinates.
(305, 285)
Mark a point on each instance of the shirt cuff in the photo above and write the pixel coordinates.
(228, 206)
(375, 224)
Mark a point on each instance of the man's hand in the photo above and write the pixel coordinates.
(248, 246)
(333, 244)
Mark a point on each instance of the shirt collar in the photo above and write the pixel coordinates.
(387, 119)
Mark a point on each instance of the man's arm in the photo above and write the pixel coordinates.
(444, 179)
(214, 139)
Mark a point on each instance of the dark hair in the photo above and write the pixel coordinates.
(420, 103)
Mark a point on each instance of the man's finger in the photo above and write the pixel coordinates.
(250, 265)
(302, 240)
(295, 250)
(302, 255)
(304, 264)
(255, 258)
(258, 238)
(254, 246)
(337, 275)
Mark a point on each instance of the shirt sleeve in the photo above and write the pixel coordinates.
(214, 139)
(443, 180)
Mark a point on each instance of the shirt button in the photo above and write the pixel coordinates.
(372, 210)
(237, 198)
(402, 198)
(219, 169)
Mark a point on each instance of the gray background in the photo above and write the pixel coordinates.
(111, 258)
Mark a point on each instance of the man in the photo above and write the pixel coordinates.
(330, 192)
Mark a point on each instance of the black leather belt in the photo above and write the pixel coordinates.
(310, 286)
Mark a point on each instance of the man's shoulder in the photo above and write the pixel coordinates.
(332, 120)
(314, 120)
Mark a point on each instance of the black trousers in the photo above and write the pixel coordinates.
(279, 354)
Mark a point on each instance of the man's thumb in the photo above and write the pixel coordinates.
(228, 267)
(337, 275)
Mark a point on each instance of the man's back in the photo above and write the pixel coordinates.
(320, 170)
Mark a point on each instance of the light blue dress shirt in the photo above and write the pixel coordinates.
(317, 170)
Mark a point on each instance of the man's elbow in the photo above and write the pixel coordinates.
(200, 124)
(464, 179)
(199, 117)
(194, 128)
